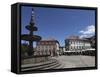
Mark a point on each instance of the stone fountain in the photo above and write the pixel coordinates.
(33, 54)
(31, 37)
(35, 61)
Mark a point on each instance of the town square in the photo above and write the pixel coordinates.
(46, 46)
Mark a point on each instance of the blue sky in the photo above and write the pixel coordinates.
(59, 23)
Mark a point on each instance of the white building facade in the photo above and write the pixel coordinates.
(48, 47)
(76, 44)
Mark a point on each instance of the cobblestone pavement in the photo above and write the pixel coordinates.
(76, 61)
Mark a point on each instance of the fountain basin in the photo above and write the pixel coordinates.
(31, 28)
(30, 38)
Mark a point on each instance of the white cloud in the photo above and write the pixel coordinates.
(88, 31)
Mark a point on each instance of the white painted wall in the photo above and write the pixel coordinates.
(57, 45)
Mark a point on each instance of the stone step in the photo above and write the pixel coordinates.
(38, 64)
(45, 65)
(60, 66)
(53, 66)
(40, 67)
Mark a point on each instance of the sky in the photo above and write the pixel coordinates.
(59, 23)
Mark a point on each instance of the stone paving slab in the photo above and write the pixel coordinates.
(76, 61)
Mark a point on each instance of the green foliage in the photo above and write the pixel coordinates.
(24, 48)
